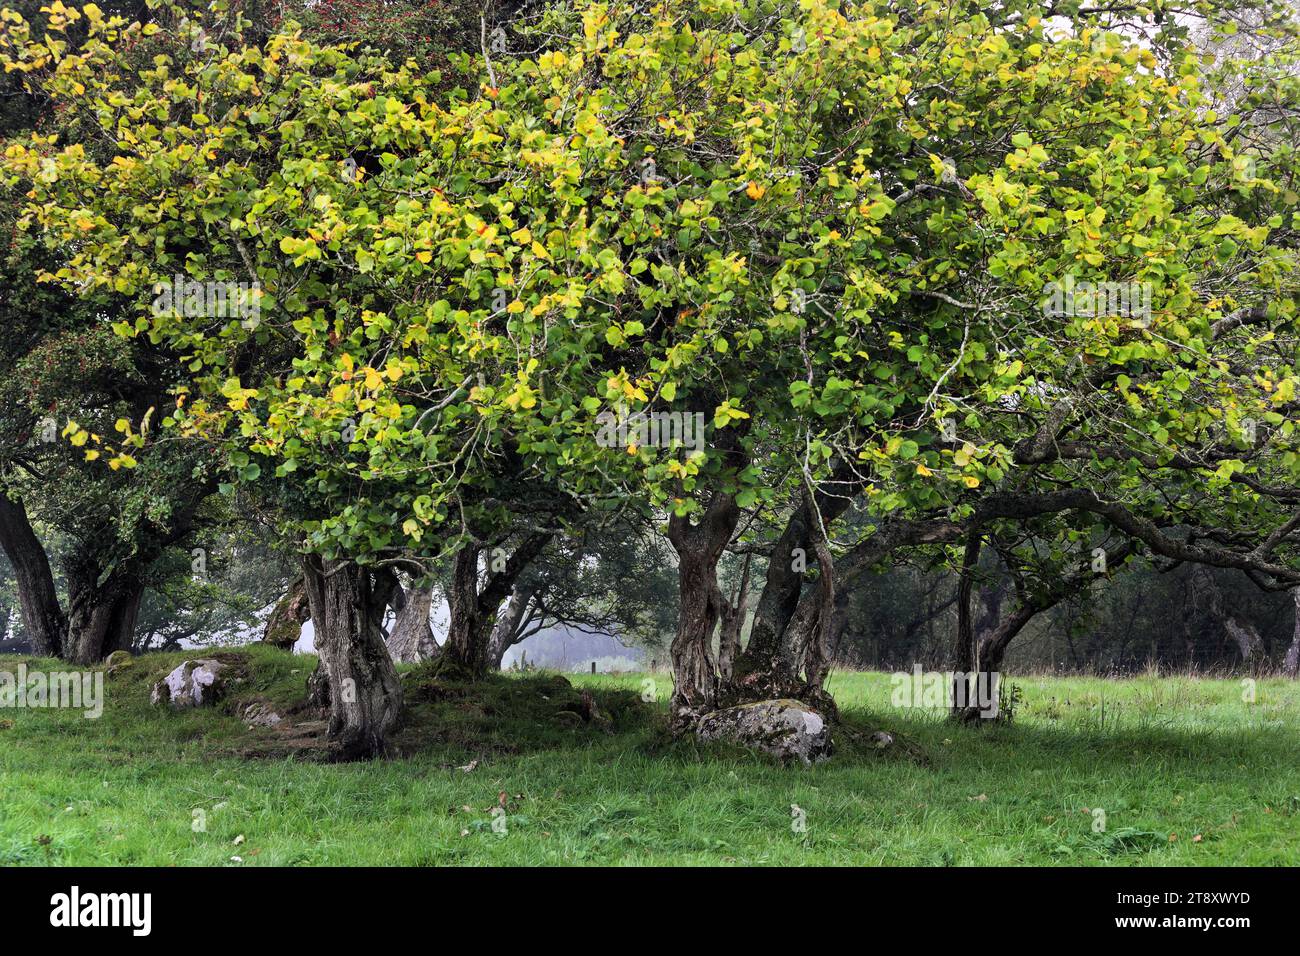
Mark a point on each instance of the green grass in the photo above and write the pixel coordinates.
(1160, 756)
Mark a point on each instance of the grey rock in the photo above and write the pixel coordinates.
(192, 684)
(258, 714)
(787, 729)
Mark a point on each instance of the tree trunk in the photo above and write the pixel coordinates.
(473, 611)
(764, 666)
(101, 615)
(464, 652)
(698, 547)
(412, 638)
(968, 641)
(733, 621)
(810, 651)
(44, 622)
(1248, 639)
(284, 624)
(510, 626)
(1291, 665)
(765, 669)
(817, 648)
(365, 697)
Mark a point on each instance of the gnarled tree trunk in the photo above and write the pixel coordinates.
(767, 667)
(698, 547)
(365, 697)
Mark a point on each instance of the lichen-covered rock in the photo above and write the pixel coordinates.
(117, 661)
(260, 714)
(192, 684)
(787, 729)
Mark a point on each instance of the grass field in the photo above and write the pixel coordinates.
(1185, 771)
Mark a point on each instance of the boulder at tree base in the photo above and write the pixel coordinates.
(787, 729)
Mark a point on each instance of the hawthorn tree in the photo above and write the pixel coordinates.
(389, 394)
(829, 232)
(81, 599)
(1132, 183)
